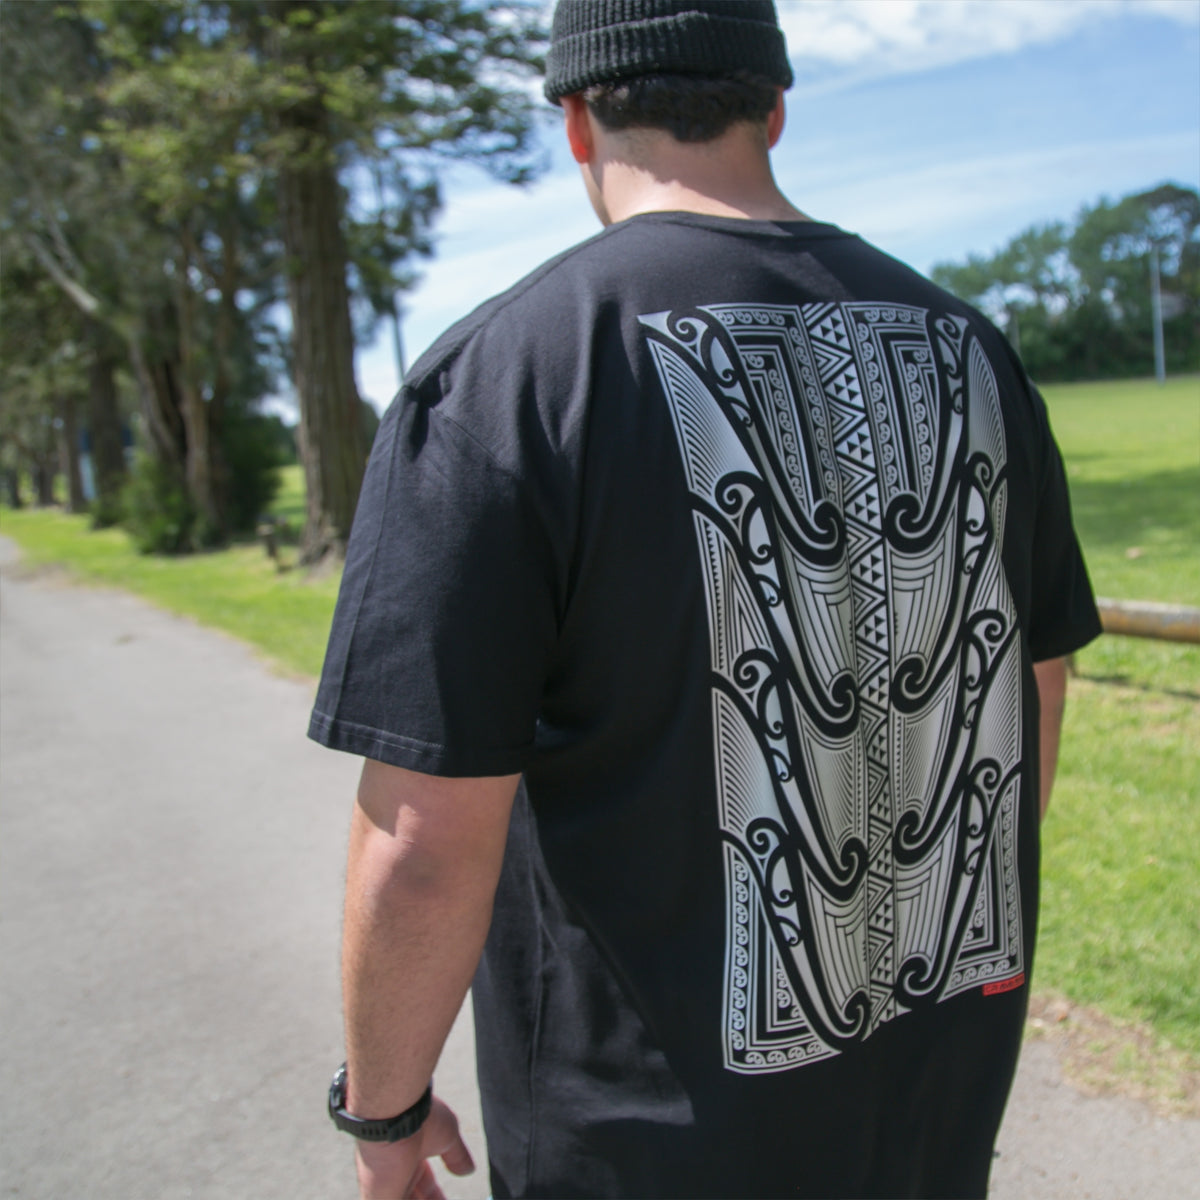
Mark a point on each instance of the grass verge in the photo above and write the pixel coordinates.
(284, 613)
(1101, 1055)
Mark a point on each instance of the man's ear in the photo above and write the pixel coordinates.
(775, 120)
(579, 129)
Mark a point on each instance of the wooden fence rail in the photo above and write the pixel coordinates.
(1144, 618)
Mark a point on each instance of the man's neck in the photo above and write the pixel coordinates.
(678, 197)
(728, 177)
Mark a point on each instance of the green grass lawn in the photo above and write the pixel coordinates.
(289, 500)
(1120, 926)
(1133, 460)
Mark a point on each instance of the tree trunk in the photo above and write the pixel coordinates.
(223, 349)
(154, 352)
(43, 480)
(68, 453)
(198, 464)
(104, 422)
(332, 444)
(12, 487)
(198, 455)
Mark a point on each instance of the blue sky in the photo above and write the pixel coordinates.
(933, 128)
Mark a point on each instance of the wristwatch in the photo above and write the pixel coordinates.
(387, 1129)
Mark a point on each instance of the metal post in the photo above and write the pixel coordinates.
(394, 308)
(1160, 365)
(1013, 327)
(397, 341)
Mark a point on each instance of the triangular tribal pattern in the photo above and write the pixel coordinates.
(846, 466)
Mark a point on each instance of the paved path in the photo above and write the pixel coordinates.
(170, 868)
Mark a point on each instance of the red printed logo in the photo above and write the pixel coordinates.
(1003, 985)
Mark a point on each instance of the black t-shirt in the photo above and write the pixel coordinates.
(738, 539)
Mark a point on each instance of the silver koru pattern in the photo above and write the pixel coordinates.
(846, 467)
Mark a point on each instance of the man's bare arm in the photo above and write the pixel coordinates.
(1052, 692)
(425, 855)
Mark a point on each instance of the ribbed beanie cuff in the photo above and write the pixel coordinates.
(601, 41)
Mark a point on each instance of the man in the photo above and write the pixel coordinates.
(689, 628)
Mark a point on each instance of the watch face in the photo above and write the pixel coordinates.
(337, 1089)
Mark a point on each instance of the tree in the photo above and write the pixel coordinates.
(1112, 247)
(299, 103)
(41, 391)
(1076, 300)
(179, 120)
(1026, 277)
(59, 197)
(123, 194)
(376, 90)
(183, 165)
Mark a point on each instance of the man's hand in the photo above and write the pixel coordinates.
(399, 1170)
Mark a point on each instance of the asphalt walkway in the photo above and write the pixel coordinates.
(171, 856)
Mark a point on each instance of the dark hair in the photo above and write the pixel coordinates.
(692, 108)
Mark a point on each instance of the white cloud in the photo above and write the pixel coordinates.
(873, 38)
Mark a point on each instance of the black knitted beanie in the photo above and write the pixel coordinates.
(601, 41)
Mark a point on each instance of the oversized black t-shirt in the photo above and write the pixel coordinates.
(738, 539)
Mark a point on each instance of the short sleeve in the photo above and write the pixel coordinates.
(446, 615)
(1063, 615)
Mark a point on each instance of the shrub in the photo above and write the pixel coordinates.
(253, 454)
(158, 515)
(107, 511)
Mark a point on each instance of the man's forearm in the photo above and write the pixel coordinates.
(1052, 693)
(424, 858)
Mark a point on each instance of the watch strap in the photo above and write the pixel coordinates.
(385, 1129)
